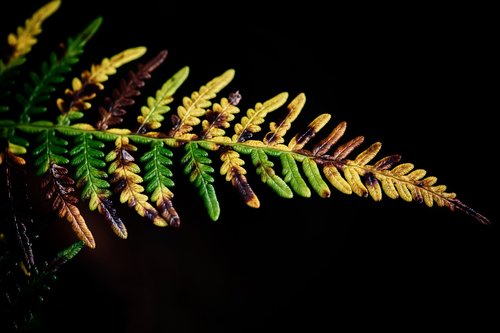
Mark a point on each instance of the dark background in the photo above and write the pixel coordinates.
(417, 78)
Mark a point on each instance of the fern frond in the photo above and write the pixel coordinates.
(249, 124)
(23, 40)
(52, 73)
(58, 187)
(158, 176)
(359, 177)
(197, 166)
(194, 107)
(125, 176)
(88, 159)
(85, 89)
(152, 113)
(114, 111)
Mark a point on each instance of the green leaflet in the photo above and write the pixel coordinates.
(267, 174)
(313, 175)
(89, 162)
(157, 174)
(293, 176)
(152, 114)
(50, 150)
(71, 251)
(196, 166)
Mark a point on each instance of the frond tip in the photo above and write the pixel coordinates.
(23, 40)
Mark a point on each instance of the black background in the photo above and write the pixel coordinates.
(419, 78)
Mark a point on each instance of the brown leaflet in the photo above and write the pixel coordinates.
(106, 208)
(324, 145)
(239, 181)
(387, 162)
(59, 188)
(344, 150)
(122, 97)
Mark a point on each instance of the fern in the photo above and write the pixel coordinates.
(200, 127)
(105, 163)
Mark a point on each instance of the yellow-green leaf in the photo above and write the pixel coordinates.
(313, 175)
(152, 113)
(335, 178)
(194, 107)
(99, 73)
(250, 123)
(25, 37)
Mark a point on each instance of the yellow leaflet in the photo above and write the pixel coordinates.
(278, 131)
(335, 178)
(119, 131)
(24, 39)
(403, 191)
(83, 126)
(195, 106)
(16, 149)
(99, 73)
(250, 123)
(368, 154)
(224, 113)
(354, 181)
(231, 162)
(417, 174)
(388, 187)
(221, 139)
